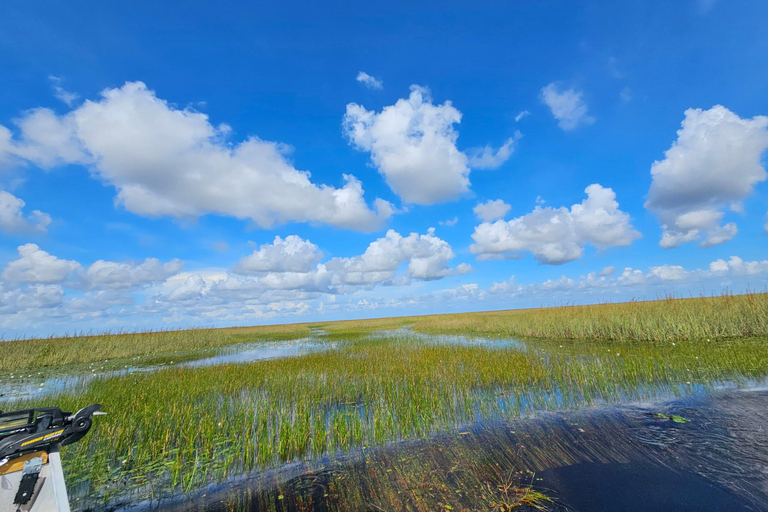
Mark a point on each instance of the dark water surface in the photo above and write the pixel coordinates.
(626, 458)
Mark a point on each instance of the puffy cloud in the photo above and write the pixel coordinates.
(35, 297)
(558, 235)
(369, 81)
(668, 272)
(567, 107)
(413, 145)
(12, 219)
(450, 222)
(37, 266)
(608, 271)
(290, 255)
(464, 268)
(487, 158)
(737, 266)
(166, 161)
(491, 210)
(426, 256)
(714, 164)
(47, 140)
(114, 274)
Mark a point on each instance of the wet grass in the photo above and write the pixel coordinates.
(178, 429)
(662, 320)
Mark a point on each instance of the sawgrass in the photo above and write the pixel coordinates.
(178, 429)
(667, 319)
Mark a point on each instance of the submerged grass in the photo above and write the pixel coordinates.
(177, 429)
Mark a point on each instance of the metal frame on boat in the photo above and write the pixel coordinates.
(31, 477)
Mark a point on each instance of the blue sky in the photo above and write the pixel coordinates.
(417, 157)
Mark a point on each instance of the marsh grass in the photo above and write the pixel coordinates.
(178, 429)
(667, 319)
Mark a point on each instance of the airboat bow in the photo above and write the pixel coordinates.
(31, 478)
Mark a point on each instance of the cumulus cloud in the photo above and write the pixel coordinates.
(426, 257)
(37, 266)
(714, 164)
(290, 270)
(657, 279)
(114, 274)
(491, 210)
(13, 220)
(567, 107)
(369, 81)
(450, 222)
(166, 161)
(47, 140)
(558, 235)
(290, 255)
(413, 145)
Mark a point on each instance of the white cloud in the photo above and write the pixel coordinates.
(290, 255)
(521, 115)
(714, 164)
(369, 81)
(668, 272)
(166, 161)
(739, 267)
(567, 107)
(557, 236)
(426, 257)
(487, 158)
(37, 297)
(67, 97)
(114, 274)
(608, 271)
(464, 268)
(47, 140)
(413, 145)
(450, 222)
(12, 219)
(37, 266)
(491, 210)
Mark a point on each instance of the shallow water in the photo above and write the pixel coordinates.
(612, 459)
(29, 387)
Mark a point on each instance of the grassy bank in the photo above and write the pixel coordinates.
(663, 320)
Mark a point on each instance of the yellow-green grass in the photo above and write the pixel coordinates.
(181, 428)
(662, 320)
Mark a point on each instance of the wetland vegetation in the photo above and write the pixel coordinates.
(177, 429)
